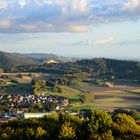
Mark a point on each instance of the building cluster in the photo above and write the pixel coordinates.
(14, 103)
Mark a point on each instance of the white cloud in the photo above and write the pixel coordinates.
(28, 27)
(106, 41)
(80, 5)
(22, 3)
(72, 5)
(58, 2)
(5, 24)
(79, 28)
(132, 5)
(69, 15)
(3, 5)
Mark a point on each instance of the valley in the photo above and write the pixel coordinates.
(124, 95)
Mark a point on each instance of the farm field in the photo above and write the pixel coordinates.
(68, 92)
(120, 96)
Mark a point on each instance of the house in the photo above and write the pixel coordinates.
(108, 84)
(57, 107)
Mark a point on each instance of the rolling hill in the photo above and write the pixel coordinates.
(15, 59)
(40, 56)
(11, 59)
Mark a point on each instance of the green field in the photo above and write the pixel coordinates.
(68, 92)
(14, 88)
(121, 95)
(110, 98)
(135, 90)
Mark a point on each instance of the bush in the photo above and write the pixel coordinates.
(125, 127)
(87, 98)
(99, 126)
(105, 136)
(132, 113)
(67, 132)
(123, 119)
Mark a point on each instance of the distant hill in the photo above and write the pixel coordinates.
(12, 59)
(40, 56)
(96, 66)
(120, 68)
(43, 57)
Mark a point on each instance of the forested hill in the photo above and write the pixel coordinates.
(16, 59)
(121, 68)
(11, 59)
(96, 66)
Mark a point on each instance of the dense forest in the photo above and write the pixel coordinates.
(96, 67)
(94, 125)
(16, 59)
(11, 62)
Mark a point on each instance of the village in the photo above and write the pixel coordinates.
(16, 105)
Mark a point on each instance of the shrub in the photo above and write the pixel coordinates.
(67, 132)
(125, 127)
(100, 122)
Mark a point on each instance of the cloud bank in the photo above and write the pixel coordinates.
(19, 16)
(107, 41)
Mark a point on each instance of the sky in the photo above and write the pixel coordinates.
(79, 28)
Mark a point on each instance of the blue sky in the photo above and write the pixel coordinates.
(103, 28)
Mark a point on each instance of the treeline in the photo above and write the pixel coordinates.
(97, 67)
(40, 86)
(104, 67)
(96, 125)
(70, 79)
(75, 71)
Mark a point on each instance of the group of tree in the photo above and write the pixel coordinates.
(97, 66)
(96, 125)
(70, 79)
(1, 70)
(87, 98)
(38, 86)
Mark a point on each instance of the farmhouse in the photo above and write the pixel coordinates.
(108, 84)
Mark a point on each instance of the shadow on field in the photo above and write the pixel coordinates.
(136, 107)
(130, 98)
(16, 88)
(132, 92)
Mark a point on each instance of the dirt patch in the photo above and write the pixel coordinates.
(102, 97)
(68, 90)
(24, 79)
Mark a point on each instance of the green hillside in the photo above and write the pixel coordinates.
(10, 59)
